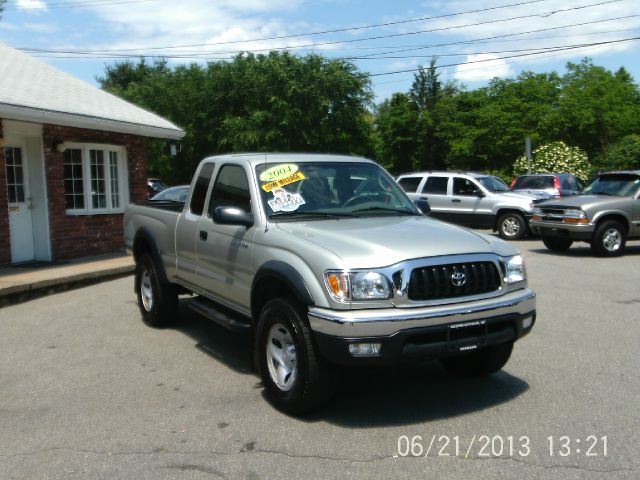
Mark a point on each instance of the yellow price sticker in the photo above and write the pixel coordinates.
(296, 177)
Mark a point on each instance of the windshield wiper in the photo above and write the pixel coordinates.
(296, 214)
(386, 209)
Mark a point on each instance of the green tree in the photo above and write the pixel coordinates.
(397, 127)
(597, 107)
(427, 92)
(274, 102)
(622, 155)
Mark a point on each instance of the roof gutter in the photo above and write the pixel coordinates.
(29, 114)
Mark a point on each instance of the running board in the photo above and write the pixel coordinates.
(220, 315)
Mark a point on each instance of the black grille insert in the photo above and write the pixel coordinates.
(453, 280)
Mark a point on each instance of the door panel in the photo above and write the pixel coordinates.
(20, 218)
(224, 252)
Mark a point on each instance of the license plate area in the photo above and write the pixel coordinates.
(467, 336)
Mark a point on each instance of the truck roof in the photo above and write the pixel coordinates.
(258, 158)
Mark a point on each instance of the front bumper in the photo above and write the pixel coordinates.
(419, 333)
(563, 230)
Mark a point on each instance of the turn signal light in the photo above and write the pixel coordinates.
(575, 220)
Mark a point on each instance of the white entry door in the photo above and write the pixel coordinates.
(20, 218)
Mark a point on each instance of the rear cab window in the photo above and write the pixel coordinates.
(196, 206)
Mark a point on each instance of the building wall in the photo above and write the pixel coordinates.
(83, 235)
(5, 239)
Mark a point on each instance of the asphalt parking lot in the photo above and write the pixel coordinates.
(88, 391)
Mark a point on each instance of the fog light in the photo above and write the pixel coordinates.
(527, 322)
(365, 349)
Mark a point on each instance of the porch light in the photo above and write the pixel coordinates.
(60, 146)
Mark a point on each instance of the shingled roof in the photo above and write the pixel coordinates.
(33, 91)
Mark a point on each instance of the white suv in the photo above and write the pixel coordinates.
(473, 200)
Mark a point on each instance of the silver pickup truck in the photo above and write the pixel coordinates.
(326, 261)
(606, 214)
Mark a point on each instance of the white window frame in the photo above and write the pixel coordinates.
(123, 178)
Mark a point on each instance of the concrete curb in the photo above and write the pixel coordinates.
(13, 294)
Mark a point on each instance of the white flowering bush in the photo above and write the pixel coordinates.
(555, 157)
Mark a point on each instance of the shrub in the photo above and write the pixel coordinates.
(555, 157)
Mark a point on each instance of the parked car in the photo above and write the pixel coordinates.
(172, 194)
(154, 185)
(473, 200)
(547, 185)
(325, 261)
(605, 215)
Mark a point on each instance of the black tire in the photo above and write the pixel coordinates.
(480, 363)
(556, 244)
(512, 226)
(609, 239)
(157, 300)
(282, 327)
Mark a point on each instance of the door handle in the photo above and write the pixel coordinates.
(424, 198)
(456, 200)
(203, 235)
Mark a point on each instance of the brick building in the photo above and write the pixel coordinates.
(71, 158)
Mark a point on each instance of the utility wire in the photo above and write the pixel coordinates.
(354, 40)
(81, 4)
(209, 55)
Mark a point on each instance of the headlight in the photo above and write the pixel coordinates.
(537, 211)
(346, 286)
(515, 270)
(575, 215)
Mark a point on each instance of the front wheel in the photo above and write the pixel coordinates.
(512, 226)
(158, 301)
(295, 378)
(557, 244)
(480, 363)
(609, 239)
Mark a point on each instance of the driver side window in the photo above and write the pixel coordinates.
(231, 189)
(463, 186)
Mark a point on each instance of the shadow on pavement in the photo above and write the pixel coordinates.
(231, 348)
(369, 397)
(406, 395)
(581, 249)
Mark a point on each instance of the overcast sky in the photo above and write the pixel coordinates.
(473, 40)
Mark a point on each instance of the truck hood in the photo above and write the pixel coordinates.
(519, 195)
(586, 202)
(383, 241)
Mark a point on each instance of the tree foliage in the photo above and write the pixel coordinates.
(274, 102)
(485, 129)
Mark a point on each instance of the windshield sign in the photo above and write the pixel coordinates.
(330, 190)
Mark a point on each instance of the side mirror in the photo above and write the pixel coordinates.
(232, 216)
(479, 193)
(423, 204)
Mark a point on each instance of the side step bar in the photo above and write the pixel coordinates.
(221, 315)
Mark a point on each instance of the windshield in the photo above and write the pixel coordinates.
(493, 184)
(617, 184)
(330, 190)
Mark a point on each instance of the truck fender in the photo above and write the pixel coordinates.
(143, 242)
(288, 275)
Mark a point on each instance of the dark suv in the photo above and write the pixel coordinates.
(547, 185)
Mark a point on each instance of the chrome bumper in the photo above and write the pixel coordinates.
(387, 321)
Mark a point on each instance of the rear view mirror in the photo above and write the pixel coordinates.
(232, 216)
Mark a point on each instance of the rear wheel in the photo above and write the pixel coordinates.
(609, 239)
(295, 378)
(157, 300)
(511, 226)
(480, 363)
(557, 244)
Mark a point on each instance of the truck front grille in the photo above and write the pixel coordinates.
(453, 280)
(552, 214)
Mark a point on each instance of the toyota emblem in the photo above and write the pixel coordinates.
(458, 279)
